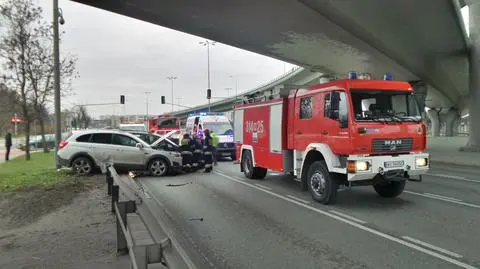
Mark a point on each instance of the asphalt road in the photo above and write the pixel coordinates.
(271, 223)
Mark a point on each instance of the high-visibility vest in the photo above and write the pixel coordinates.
(215, 140)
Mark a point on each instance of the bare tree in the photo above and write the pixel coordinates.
(19, 21)
(81, 118)
(40, 74)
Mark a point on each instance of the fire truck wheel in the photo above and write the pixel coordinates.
(390, 189)
(249, 170)
(322, 186)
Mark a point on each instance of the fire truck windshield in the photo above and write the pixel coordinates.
(167, 123)
(219, 128)
(384, 105)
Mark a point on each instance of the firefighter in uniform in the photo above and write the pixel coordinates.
(197, 152)
(207, 150)
(186, 151)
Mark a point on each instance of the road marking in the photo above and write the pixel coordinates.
(443, 199)
(347, 216)
(298, 199)
(453, 177)
(430, 246)
(263, 187)
(357, 225)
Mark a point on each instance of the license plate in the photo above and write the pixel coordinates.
(226, 154)
(394, 164)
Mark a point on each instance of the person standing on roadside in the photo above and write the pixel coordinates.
(215, 142)
(8, 145)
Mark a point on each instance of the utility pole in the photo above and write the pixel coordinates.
(146, 103)
(172, 78)
(207, 44)
(57, 18)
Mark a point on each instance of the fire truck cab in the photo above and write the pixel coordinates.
(344, 132)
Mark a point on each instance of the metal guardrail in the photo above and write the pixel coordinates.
(165, 249)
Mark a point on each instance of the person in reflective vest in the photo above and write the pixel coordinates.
(207, 150)
(215, 142)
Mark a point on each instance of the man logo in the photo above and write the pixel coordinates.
(392, 142)
(393, 148)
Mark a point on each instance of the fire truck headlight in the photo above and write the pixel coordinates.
(358, 166)
(420, 162)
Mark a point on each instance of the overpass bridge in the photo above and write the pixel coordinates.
(417, 41)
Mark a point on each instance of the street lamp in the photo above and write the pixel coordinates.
(236, 86)
(57, 18)
(172, 78)
(207, 44)
(228, 91)
(146, 102)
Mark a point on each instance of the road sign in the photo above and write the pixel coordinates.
(16, 120)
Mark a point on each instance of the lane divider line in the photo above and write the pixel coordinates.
(358, 225)
(443, 199)
(430, 246)
(263, 187)
(453, 177)
(347, 216)
(298, 199)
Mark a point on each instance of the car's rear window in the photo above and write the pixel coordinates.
(83, 138)
(101, 138)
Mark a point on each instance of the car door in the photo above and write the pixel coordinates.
(128, 155)
(336, 121)
(101, 147)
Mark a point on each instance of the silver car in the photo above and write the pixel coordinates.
(88, 149)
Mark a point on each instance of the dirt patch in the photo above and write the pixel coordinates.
(66, 226)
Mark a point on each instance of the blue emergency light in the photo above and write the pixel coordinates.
(387, 76)
(352, 75)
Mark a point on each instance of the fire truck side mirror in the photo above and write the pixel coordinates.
(163, 99)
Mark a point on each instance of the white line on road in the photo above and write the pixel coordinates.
(263, 187)
(357, 225)
(298, 199)
(441, 196)
(430, 246)
(453, 177)
(443, 199)
(347, 216)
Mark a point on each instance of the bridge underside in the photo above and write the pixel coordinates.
(402, 37)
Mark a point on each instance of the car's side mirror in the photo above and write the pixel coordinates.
(139, 146)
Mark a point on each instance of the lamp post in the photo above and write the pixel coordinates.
(207, 44)
(146, 102)
(57, 18)
(172, 78)
(228, 91)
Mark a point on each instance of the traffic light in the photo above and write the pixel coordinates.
(209, 94)
(163, 99)
(122, 99)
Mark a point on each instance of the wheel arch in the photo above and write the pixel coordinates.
(244, 148)
(319, 152)
(83, 154)
(158, 156)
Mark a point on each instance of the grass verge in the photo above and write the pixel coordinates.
(39, 171)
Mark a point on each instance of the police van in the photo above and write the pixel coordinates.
(215, 122)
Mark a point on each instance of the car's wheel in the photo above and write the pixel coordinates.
(390, 189)
(158, 167)
(321, 184)
(249, 170)
(82, 166)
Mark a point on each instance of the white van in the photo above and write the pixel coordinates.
(218, 123)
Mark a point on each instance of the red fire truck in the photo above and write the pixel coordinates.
(344, 132)
(163, 124)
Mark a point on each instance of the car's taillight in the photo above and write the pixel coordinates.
(62, 144)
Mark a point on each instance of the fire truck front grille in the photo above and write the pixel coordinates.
(392, 145)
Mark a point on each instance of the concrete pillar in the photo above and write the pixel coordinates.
(432, 114)
(474, 75)
(451, 121)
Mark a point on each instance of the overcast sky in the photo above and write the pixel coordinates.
(119, 55)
